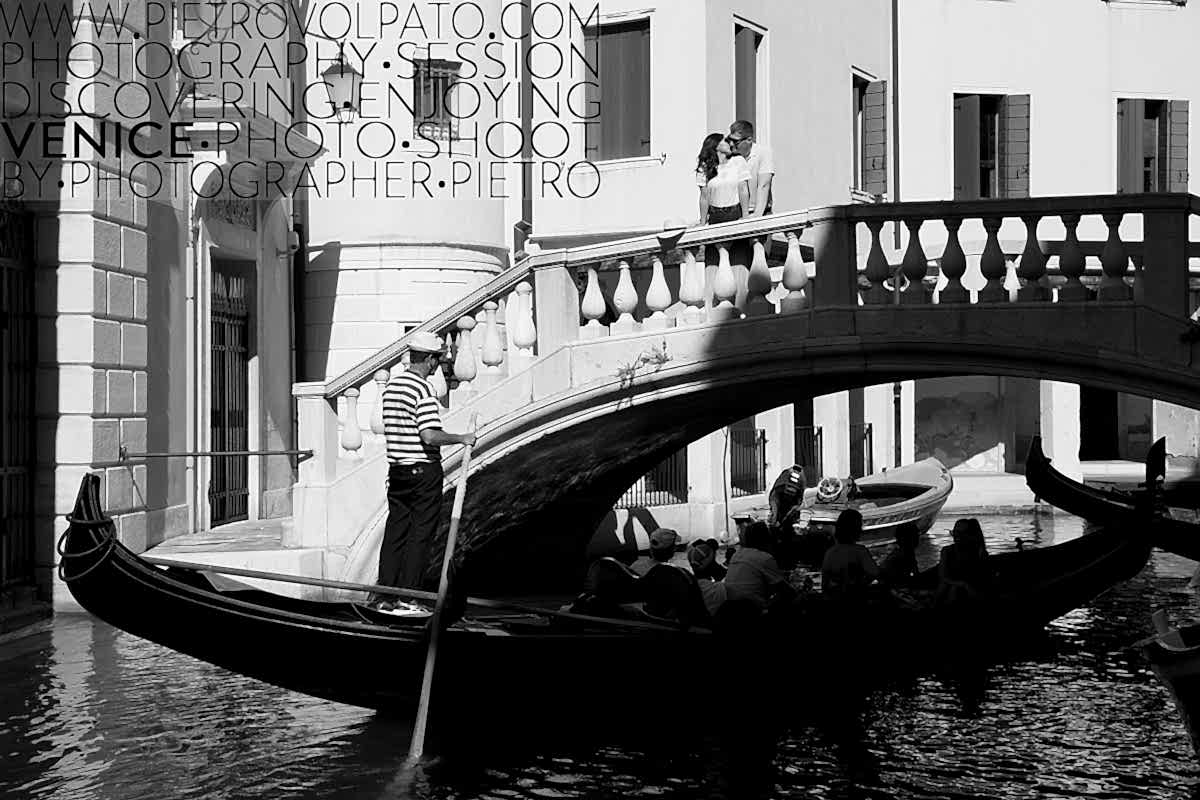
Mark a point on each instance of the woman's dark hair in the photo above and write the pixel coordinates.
(908, 535)
(848, 527)
(758, 536)
(708, 160)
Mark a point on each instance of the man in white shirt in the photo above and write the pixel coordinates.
(762, 165)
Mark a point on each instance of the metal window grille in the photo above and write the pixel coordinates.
(433, 100)
(861, 444)
(17, 361)
(810, 452)
(747, 461)
(228, 491)
(664, 485)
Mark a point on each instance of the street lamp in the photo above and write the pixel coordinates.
(344, 84)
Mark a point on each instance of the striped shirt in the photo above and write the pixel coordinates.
(409, 407)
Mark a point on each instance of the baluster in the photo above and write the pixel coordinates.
(795, 276)
(691, 287)
(381, 380)
(625, 301)
(592, 307)
(441, 389)
(492, 354)
(915, 266)
(524, 332)
(724, 289)
(465, 368)
(758, 283)
(1071, 263)
(352, 438)
(1033, 264)
(1114, 262)
(501, 327)
(992, 264)
(658, 299)
(877, 270)
(954, 266)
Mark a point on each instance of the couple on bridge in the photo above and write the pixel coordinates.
(735, 174)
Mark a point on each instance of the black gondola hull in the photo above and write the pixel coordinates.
(345, 653)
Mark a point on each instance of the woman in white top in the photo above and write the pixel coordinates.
(724, 181)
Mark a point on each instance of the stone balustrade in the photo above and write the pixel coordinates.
(845, 256)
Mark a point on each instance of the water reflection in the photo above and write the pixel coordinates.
(89, 712)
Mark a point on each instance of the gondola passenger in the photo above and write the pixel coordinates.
(848, 568)
(702, 557)
(964, 571)
(754, 576)
(899, 567)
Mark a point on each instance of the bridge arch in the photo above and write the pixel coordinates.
(560, 445)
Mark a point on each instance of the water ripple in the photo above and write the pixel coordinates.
(91, 713)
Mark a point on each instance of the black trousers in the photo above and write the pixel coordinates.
(740, 250)
(414, 496)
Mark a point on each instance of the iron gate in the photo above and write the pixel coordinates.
(18, 353)
(228, 488)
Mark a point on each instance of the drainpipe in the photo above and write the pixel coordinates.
(898, 387)
(896, 111)
(525, 226)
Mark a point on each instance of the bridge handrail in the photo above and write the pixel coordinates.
(682, 236)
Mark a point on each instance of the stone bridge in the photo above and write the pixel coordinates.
(588, 366)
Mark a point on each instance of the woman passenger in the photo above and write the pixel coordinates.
(848, 568)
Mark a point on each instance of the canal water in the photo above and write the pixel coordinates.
(87, 711)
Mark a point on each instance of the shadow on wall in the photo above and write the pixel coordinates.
(320, 293)
(612, 538)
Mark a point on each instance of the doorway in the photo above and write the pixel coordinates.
(18, 353)
(232, 300)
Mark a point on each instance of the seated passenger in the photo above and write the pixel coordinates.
(963, 570)
(754, 576)
(848, 568)
(716, 571)
(703, 560)
(662, 550)
(609, 585)
(899, 566)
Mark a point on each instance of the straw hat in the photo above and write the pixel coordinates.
(426, 342)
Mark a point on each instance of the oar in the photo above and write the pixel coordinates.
(417, 747)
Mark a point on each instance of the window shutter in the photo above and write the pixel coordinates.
(1130, 114)
(641, 81)
(966, 147)
(1177, 146)
(745, 48)
(1014, 146)
(592, 130)
(622, 53)
(874, 142)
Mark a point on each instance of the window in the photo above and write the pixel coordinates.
(991, 146)
(746, 42)
(434, 111)
(1152, 144)
(869, 125)
(617, 75)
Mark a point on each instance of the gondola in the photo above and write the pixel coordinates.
(1108, 506)
(1174, 655)
(346, 652)
(912, 493)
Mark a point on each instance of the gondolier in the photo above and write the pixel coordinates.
(412, 423)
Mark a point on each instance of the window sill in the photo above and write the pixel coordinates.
(637, 162)
(1165, 3)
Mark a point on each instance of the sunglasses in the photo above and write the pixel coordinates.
(735, 140)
